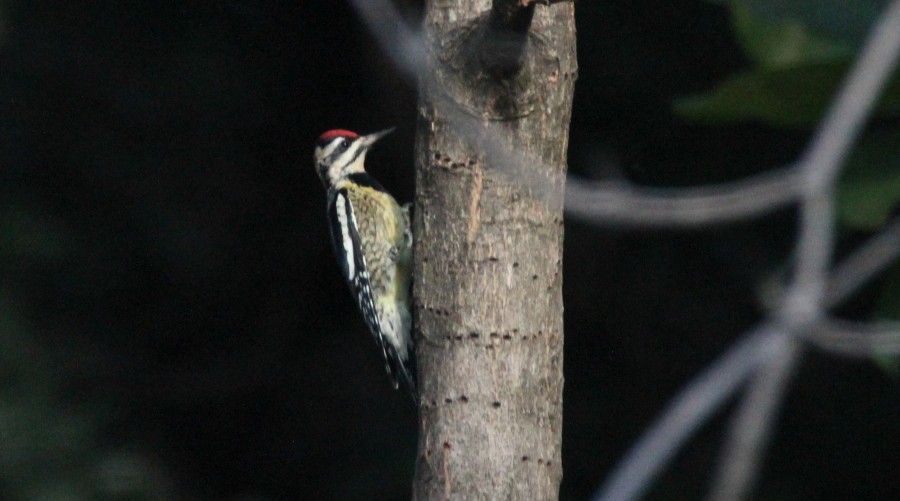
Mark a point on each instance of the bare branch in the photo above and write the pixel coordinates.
(613, 203)
(752, 426)
(747, 198)
(689, 409)
(600, 203)
(506, 36)
(851, 108)
(830, 146)
(399, 41)
(855, 338)
(864, 263)
(511, 16)
(805, 303)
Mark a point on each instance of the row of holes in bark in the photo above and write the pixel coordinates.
(446, 313)
(554, 75)
(437, 311)
(492, 259)
(539, 461)
(446, 446)
(495, 335)
(428, 450)
(461, 399)
(445, 161)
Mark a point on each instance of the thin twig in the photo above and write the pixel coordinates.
(831, 145)
(613, 203)
(805, 301)
(601, 203)
(402, 43)
(864, 263)
(856, 339)
(752, 426)
(693, 405)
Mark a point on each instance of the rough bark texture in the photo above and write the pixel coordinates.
(488, 256)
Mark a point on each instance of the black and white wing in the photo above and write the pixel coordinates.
(348, 248)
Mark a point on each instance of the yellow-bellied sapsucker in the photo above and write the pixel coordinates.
(372, 239)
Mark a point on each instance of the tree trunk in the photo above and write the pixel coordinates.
(488, 255)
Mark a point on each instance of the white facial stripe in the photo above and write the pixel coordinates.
(346, 241)
(329, 149)
(346, 156)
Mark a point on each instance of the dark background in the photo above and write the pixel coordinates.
(172, 321)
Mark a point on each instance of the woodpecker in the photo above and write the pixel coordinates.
(372, 239)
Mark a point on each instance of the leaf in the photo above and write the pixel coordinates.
(868, 190)
(846, 20)
(791, 97)
(783, 43)
(786, 97)
(796, 71)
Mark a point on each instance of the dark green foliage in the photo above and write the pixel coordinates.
(50, 443)
(800, 53)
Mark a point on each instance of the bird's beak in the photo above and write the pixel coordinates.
(372, 138)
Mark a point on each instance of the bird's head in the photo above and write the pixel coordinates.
(340, 153)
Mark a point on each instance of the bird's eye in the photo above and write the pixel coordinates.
(344, 144)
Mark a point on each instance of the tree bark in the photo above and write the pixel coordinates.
(488, 252)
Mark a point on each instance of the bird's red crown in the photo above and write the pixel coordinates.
(337, 132)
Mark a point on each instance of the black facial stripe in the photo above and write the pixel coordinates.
(359, 151)
(340, 150)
